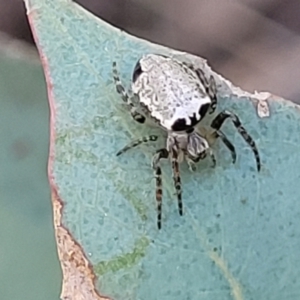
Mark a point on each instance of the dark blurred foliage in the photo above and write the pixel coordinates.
(253, 43)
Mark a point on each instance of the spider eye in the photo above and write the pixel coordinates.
(137, 71)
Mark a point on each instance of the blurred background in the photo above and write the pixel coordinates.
(253, 43)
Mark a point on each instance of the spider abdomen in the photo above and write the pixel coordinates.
(170, 91)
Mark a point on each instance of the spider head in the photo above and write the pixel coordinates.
(192, 144)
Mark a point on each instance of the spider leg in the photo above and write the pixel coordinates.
(176, 178)
(227, 143)
(162, 153)
(145, 139)
(191, 163)
(210, 88)
(218, 122)
(125, 97)
(213, 158)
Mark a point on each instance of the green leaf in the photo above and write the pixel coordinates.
(240, 234)
(29, 268)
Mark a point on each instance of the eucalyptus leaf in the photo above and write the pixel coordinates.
(29, 267)
(239, 236)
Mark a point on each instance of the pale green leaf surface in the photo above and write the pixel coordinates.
(29, 267)
(239, 237)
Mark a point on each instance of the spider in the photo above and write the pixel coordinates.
(176, 96)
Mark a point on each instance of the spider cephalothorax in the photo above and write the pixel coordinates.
(177, 96)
